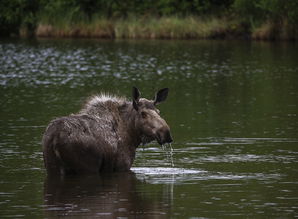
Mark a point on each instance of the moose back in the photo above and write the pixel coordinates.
(104, 135)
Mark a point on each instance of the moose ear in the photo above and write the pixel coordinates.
(135, 105)
(135, 97)
(161, 96)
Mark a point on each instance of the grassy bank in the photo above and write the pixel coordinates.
(275, 31)
(175, 19)
(164, 28)
(148, 28)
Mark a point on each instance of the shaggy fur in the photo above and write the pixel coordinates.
(102, 137)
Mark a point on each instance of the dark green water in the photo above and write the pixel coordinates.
(232, 109)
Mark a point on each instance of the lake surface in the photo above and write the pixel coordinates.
(232, 109)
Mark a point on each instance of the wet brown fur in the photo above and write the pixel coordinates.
(103, 136)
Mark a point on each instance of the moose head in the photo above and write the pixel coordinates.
(148, 120)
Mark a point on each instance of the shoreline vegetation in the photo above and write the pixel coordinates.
(156, 19)
(138, 28)
(165, 28)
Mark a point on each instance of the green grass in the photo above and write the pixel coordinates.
(275, 31)
(171, 27)
(149, 28)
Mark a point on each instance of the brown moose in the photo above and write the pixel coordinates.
(104, 135)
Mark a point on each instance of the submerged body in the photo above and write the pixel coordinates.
(104, 135)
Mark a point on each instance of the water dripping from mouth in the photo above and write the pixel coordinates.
(169, 153)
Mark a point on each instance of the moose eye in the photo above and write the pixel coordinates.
(144, 115)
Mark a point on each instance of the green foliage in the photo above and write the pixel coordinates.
(57, 12)
(264, 10)
(27, 14)
(15, 14)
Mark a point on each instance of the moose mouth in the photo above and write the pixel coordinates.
(160, 138)
(163, 139)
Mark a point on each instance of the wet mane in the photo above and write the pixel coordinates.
(101, 103)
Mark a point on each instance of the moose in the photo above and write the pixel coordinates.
(104, 135)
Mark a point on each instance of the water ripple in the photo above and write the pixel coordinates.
(191, 176)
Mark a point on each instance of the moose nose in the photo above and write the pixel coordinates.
(163, 137)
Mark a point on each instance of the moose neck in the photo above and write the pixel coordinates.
(129, 116)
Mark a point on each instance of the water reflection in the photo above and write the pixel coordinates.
(106, 196)
(232, 109)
